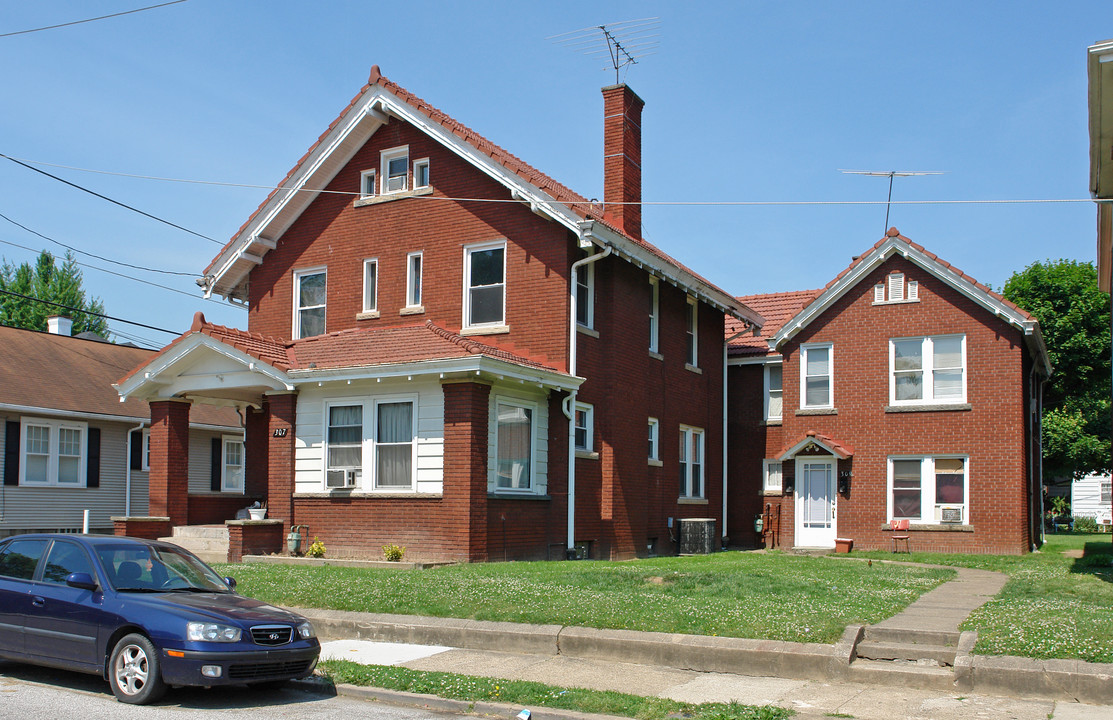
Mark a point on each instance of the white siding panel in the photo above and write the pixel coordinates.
(200, 460)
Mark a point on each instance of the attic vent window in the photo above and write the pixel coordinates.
(896, 289)
(396, 169)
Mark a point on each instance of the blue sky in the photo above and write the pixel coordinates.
(745, 101)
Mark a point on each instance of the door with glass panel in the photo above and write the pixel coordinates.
(815, 502)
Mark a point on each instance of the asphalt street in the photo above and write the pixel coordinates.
(44, 694)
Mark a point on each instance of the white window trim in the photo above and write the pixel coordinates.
(225, 440)
(384, 177)
(589, 428)
(927, 355)
(766, 485)
(422, 162)
(53, 452)
(365, 440)
(587, 277)
(927, 488)
(368, 480)
(373, 305)
(298, 275)
(533, 443)
(693, 318)
(654, 431)
(145, 452)
(468, 250)
(804, 350)
(409, 280)
(687, 432)
(767, 389)
(654, 314)
(364, 184)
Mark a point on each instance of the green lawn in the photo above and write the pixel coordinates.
(531, 694)
(1054, 605)
(750, 595)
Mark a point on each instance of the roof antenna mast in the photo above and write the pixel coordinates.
(624, 43)
(891, 174)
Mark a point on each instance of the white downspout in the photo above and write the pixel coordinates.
(570, 401)
(127, 475)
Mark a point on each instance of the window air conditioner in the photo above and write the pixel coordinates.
(950, 514)
(340, 478)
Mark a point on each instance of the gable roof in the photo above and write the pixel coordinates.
(381, 100)
(894, 243)
(62, 375)
(776, 308)
(825, 443)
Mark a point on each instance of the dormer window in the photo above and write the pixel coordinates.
(395, 169)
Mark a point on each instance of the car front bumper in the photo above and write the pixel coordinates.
(238, 667)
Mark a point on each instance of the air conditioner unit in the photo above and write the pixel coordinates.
(950, 514)
(340, 478)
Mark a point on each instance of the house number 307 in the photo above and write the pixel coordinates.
(280, 432)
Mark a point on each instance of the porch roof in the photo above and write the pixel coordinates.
(823, 442)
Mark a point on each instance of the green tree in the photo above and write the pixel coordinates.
(46, 281)
(1074, 318)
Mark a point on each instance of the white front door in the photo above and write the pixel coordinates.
(815, 502)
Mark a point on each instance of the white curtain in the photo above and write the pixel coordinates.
(395, 445)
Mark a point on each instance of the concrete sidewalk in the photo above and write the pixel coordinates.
(947, 606)
(809, 698)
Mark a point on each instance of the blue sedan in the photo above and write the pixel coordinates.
(142, 614)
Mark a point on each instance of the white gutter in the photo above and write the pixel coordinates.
(570, 401)
(127, 474)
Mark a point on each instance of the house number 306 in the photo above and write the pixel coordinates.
(280, 432)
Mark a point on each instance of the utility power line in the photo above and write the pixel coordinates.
(88, 312)
(88, 20)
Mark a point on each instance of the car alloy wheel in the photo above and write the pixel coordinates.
(134, 671)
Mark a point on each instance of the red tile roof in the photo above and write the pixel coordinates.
(842, 450)
(58, 372)
(575, 202)
(776, 308)
(350, 348)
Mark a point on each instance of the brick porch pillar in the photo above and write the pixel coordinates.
(466, 406)
(281, 411)
(169, 475)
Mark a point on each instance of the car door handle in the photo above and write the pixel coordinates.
(38, 601)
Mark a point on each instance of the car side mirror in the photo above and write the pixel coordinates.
(81, 580)
(230, 582)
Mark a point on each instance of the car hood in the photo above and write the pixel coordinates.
(219, 606)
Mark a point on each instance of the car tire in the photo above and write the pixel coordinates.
(134, 671)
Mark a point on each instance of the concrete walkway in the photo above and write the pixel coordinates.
(947, 606)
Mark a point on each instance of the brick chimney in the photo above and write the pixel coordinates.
(622, 157)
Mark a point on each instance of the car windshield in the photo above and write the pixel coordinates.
(143, 568)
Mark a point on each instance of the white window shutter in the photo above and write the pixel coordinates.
(879, 293)
(896, 287)
(913, 290)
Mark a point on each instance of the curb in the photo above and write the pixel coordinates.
(1072, 680)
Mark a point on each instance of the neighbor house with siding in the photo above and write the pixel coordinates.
(69, 444)
(449, 350)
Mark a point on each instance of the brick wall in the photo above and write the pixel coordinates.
(215, 509)
(149, 528)
(169, 474)
(254, 537)
(991, 433)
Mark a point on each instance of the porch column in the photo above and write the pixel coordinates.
(169, 474)
(281, 411)
(466, 413)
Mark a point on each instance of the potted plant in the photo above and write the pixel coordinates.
(258, 511)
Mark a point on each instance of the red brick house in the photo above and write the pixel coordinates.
(442, 349)
(904, 389)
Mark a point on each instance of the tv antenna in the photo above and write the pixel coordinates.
(891, 174)
(624, 43)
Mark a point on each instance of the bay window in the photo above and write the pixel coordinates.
(514, 446)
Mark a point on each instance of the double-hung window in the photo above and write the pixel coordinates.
(232, 472)
(692, 333)
(344, 440)
(773, 478)
(691, 462)
(421, 173)
(485, 285)
(367, 184)
(654, 313)
(585, 420)
(375, 439)
(585, 296)
(929, 489)
(514, 446)
(413, 280)
(654, 439)
(774, 393)
(52, 453)
(816, 373)
(370, 285)
(394, 445)
(395, 169)
(309, 302)
(927, 370)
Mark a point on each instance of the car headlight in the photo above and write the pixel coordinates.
(212, 632)
(305, 631)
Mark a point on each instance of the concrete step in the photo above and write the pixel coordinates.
(903, 636)
(212, 557)
(903, 674)
(941, 655)
(201, 531)
(195, 545)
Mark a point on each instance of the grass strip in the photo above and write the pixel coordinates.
(532, 694)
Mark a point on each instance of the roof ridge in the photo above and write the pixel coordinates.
(478, 348)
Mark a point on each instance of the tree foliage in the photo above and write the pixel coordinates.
(1074, 318)
(47, 281)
